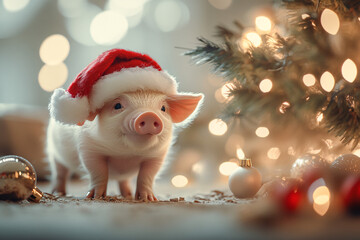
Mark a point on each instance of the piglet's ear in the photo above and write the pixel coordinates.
(182, 106)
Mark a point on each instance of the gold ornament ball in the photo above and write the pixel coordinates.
(245, 181)
(18, 180)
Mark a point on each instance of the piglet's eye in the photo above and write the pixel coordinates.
(163, 108)
(118, 106)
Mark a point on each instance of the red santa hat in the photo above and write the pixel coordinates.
(112, 73)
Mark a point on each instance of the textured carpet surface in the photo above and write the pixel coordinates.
(180, 214)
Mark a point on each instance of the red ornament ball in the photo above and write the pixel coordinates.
(350, 191)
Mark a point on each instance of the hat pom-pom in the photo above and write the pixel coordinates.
(67, 109)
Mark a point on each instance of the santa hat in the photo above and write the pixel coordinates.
(112, 73)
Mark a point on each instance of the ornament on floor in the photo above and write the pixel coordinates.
(345, 165)
(18, 180)
(309, 167)
(350, 192)
(245, 181)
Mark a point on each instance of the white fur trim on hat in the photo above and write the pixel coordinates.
(110, 86)
(66, 109)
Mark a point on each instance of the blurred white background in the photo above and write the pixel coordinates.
(159, 28)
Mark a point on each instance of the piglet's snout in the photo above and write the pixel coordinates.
(148, 123)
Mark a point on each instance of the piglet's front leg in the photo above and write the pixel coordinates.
(97, 167)
(147, 172)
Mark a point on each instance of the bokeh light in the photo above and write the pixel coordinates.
(330, 21)
(217, 127)
(198, 168)
(108, 28)
(126, 7)
(15, 5)
(220, 4)
(263, 24)
(321, 209)
(54, 49)
(321, 200)
(265, 85)
(357, 152)
(349, 70)
(225, 89)
(317, 183)
(319, 117)
(240, 153)
(309, 80)
(227, 168)
(78, 26)
(168, 15)
(219, 96)
(262, 132)
(284, 107)
(254, 38)
(179, 181)
(131, 9)
(327, 81)
(71, 9)
(52, 76)
(274, 153)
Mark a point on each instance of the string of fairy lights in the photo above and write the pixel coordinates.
(318, 193)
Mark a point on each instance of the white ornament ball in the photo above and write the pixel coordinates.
(245, 181)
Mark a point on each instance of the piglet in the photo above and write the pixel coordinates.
(116, 120)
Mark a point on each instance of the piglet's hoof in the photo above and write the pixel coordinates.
(145, 196)
(97, 193)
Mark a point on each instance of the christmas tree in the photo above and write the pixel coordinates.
(293, 78)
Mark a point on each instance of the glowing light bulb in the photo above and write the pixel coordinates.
(240, 153)
(327, 81)
(319, 117)
(179, 181)
(227, 168)
(263, 24)
(349, 70)
(305, 16)
(262, 132)
(330, 21)
(274, 153)
(254, 38)
(52, 76)
(225, 90)
(54, 49)
(108, 27)
(217, 127)
(309, 80)
(265, 85)
(284, 106)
